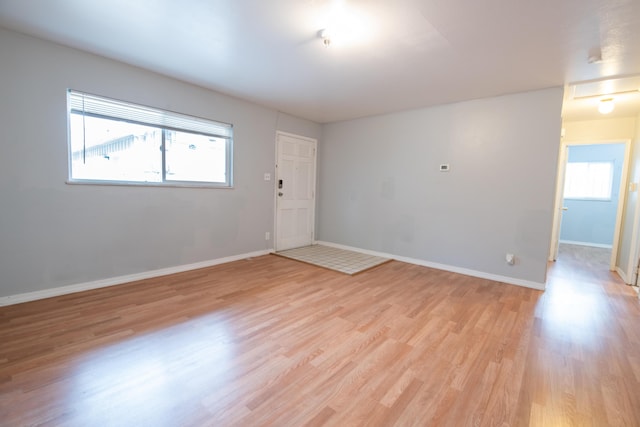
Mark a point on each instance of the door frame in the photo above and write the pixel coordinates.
(622, 196)
(275, 187)
(634, 249)
(558, 202)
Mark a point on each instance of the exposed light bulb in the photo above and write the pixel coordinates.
(605, 106)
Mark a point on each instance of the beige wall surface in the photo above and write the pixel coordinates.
(600, 130)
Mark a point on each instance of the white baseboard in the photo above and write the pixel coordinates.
(103, 283)
(451, 268)
(593, 245)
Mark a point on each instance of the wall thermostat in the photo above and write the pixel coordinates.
(444, 167)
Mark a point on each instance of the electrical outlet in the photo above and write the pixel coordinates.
(267, 176)
(267, 236)
(510, 258)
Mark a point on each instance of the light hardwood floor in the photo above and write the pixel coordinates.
(271, 341)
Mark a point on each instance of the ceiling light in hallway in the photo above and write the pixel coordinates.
(605, 106)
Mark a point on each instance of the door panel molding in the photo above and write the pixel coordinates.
(295, 191)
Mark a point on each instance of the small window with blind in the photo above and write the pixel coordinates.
(117, 142)
(588, 180)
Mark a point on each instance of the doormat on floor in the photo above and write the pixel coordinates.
(344, 261)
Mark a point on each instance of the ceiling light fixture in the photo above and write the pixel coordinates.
(342, 25)
(605, 106)
(325, 35)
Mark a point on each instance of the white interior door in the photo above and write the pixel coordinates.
(295, 191)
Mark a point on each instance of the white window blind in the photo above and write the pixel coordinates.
(83, 103)
(589, 180)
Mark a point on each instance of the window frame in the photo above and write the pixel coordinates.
(163, 128)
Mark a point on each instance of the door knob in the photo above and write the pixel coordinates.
(564, 208)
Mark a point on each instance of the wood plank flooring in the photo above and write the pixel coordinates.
(274, 342)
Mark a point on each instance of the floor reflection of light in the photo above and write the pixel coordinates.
(573, 313)
(140, 381)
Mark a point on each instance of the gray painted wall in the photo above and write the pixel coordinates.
(381, 189)
(53, 234)
(593, 221)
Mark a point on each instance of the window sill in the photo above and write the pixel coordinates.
(148, 184)
(587, 199)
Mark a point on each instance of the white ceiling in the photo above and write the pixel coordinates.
(387, 55)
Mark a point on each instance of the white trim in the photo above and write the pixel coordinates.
(593, 245)
(119, 280)
(622, 275)
(634, 247)
(622, 198)
(445, 267)
(557, 207)
(293, 135)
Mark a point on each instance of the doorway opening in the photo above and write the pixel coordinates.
(590, 194)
